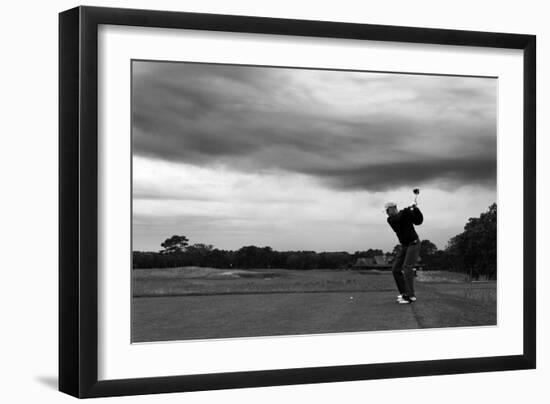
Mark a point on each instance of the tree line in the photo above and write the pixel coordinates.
(247, 257)
(473, 251)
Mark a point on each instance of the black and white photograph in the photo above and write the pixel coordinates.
(283, 201)
(246, 202)
(269, 202)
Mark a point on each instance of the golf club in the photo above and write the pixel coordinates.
(416, 192)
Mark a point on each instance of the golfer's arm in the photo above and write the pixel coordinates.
(416, 215)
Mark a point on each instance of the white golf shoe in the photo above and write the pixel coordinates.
(402, 300)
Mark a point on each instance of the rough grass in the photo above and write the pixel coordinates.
(441, 276)
(197, 281)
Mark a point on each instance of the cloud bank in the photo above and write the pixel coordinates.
(347, 130)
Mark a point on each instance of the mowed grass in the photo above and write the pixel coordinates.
(252, 315)
(187, 281)
(268, 314)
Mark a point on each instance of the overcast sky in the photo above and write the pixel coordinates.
(303, 159)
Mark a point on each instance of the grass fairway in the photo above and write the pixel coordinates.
(189, 281)
(203, 304)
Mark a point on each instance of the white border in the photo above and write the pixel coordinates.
(119, 359)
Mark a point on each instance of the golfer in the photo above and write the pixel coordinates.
(402, 222)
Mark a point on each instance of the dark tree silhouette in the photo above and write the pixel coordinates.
(174, 244)
(475, 249)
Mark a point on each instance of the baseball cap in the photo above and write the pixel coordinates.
(389, 205)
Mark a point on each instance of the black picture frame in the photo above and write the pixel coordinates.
(78, 201)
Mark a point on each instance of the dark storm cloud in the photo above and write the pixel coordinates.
(447, 172)
(349, 130)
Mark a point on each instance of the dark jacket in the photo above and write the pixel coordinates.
(403, 224)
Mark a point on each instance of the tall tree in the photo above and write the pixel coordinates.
(174, 244)
(475, 249)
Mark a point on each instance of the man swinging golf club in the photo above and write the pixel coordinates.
(402, 222)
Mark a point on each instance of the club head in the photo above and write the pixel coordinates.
(416, 191)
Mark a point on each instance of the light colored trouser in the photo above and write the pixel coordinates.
(403, 268)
